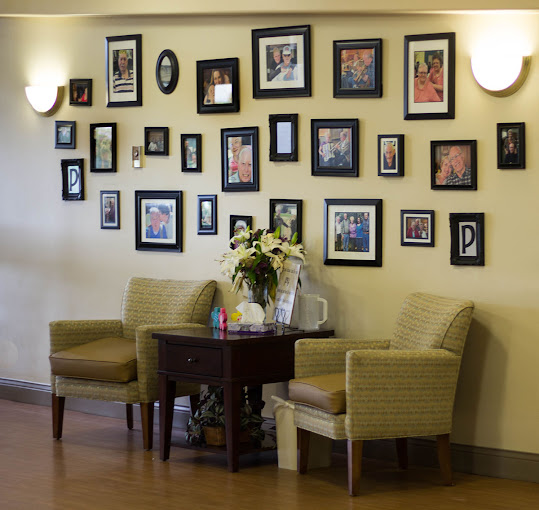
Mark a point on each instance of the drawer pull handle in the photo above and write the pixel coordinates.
(192, 360)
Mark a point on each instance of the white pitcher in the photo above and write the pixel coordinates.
(309, 311)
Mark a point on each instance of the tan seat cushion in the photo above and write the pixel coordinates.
(326, 392)
(107, 359)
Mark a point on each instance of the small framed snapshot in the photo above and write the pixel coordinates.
(207, 215)
(417, 228)
(283, 137)
(65, 134)
(191, 153)
(511, 138)
(357, 68)
(167, 71)
(158, 220)
(72, 179)
(103, 147)
(110, 210)
(239, 224)
(80, 92)
(218, 86)
(334, 147)
(156, 141)
(353, 232)
(288, 215)
(391, 155)
(453, 164)
(124, 70)
(282, 62)
(239, 159)
(467, 239)
(429, 76)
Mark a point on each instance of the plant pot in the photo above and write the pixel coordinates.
(216, 436)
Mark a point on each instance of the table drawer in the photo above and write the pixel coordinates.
(193, 360)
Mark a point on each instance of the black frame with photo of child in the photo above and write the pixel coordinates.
(366, 249)
(338, 155)
(103, 147)
(80, 92)
(283, 137)
(282, 62)
(237, 146)
(453, 164)
(391, 155)
(156, 141)
(417, 228)
(158, 220)
(429, 92)
(124, 70)
(191, 146)
(207, 215)
(218, 86)
(467, 239)
(511, 143)
(72, 179)
(65, 134)
(239, 223)
(110, 210)
(357, 68)
(287, 214)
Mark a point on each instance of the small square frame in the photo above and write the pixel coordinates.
(80, 92)
(230, 177)
(225, 97)
(507, 160)
(444, 152)
(467, 234)
(126, 94)
(333, 160)
(72, 179)
(188, 165)
(283, 137)
(290, 221)
(207, 215)
(110, 210)
(65, 134)
(387, 145)
(156, 141)
(411, 235)
(237, 223)
(103, 147)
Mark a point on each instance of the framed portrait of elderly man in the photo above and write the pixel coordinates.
(239, 159)
(218, 86)
(124, 70)
(282, 62)
(453, 164)
(429, 76)
(511, 143)
(391, 155)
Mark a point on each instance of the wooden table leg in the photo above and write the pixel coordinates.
(167, 394)
(232, 393)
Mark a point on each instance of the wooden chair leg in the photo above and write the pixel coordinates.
(146, 416)
(444, 457)
(402, 452)
(129, 415)
(194, 400)
(304, 437)
(355, 452)
(58, 404)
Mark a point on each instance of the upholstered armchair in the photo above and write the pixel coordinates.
(377, 389)
(116, 360)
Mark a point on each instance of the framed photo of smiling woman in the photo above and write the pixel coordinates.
(239, 159)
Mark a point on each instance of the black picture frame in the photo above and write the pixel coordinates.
(448, 159)
(72, 179)
(103, 147)
(169, 233)
(127, 91)
(508, 133)
(167, 71)
(238, 223)
(65, 134)
(417, 228)
(287, 214)
(267, 81)
(234, 141)
(423, 102)
(156, 141)
(337, 251)
(80, 92)
(357, 68)
(110, 210)
(221, 97)
(283, 137)
(207, 215)
(467, 239)
(335, 157)
(391, 155)
(191, 157)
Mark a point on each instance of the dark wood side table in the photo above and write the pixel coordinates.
(210, 356)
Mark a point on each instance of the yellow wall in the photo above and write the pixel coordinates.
(55, 261)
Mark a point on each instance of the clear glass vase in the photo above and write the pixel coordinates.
(258, 293)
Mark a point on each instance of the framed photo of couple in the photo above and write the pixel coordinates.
(334, 147)
(453, 164)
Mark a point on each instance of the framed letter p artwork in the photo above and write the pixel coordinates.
(467, 239)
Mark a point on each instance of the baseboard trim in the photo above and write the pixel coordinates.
(422, 452)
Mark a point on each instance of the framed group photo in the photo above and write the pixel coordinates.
(357, 68)
(103, 147)
(283, 137)
(158, 220)
(417, 228)
(453, 164)
(288, 215)
(80, 92)
(156, 141)
(282, 62)
(65, 134)
(334, 147)
(124, 70)
(511, 143)
(391, 155)
(72, 179)
(207, 215)
(191, 153)
(218, 86)
(239, 159)
(110, 209)
(467, 239)
(353, 232)
(429, 76)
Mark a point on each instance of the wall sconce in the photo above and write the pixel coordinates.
(45, 99)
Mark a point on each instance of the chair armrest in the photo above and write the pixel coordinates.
(66, 334)
(320, 356)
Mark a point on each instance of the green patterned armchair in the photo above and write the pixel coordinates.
(377, 389)
(116, 360)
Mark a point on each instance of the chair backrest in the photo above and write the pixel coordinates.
(432, 322)
(149, 301)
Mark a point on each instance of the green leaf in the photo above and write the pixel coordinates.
(277, 232)
(294, 239)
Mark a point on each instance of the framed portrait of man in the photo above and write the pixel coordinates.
(511, 143)
(124, 70)
(239, 159)
(391, 155)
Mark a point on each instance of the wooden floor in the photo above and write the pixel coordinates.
(99, 464)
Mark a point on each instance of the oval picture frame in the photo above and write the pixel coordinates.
(167, 87)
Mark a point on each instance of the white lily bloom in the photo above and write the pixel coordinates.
(243, 236)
